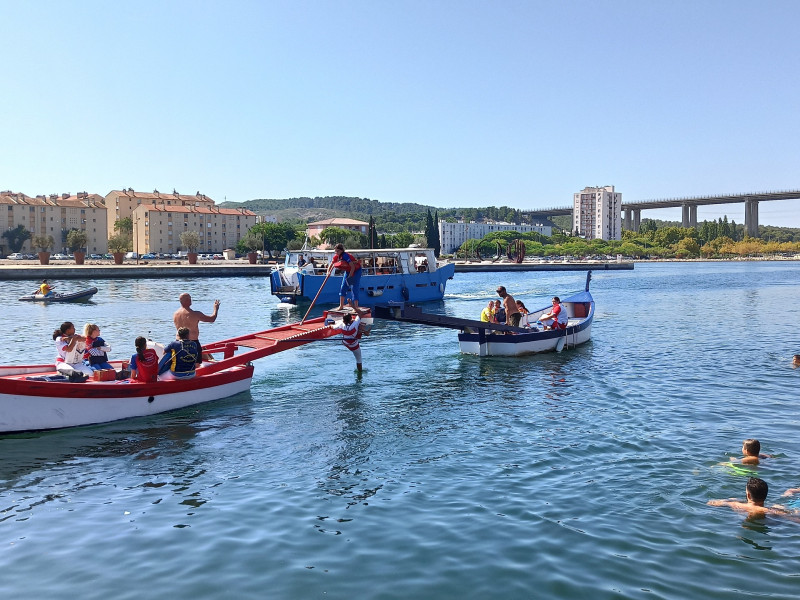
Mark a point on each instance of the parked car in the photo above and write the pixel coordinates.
(59, 256)
(16, 256)
(148, 256)
(95, 256)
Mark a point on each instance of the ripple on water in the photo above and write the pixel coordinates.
(434, 474)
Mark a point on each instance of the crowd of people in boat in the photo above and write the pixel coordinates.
(79, 356)
(508, 311)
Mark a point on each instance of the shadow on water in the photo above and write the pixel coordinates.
(142, 438)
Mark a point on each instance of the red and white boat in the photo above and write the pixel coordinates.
(29, 402)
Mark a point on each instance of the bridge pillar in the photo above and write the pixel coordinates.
(685, 215)
(637, 219)
(751, 217)
(693, 216)
(627, 224)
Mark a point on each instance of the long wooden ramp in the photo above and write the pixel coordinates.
(246, 348)
(410, 313)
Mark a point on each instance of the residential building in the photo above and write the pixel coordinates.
(597, 213)
(158, 227)
(121, 203)
(56, 215)
(453, 235)
(314, 229)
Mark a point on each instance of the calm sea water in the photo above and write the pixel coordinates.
(583, 474)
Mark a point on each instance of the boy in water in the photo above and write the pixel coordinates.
(752, 452)
(756, 492)
(350, 335)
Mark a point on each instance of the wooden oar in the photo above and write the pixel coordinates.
(315, 297)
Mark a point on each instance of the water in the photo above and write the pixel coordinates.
(583, 474)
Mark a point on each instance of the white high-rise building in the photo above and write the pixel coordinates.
(597, 213)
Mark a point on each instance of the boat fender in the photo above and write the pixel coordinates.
(441, 288)
(404, 293)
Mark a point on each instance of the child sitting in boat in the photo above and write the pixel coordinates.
(181, 358)
(96, 348)
(144, 364)
(70, 347)
(751, 448)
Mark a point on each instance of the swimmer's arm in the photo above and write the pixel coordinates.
(791, 492)
(729, 502)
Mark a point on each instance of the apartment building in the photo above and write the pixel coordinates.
(56, 215)
(597, 213)
(121, 203)
(453, 235)
(158, 227)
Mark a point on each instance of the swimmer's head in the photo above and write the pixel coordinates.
(751, 447)
(757, 490)
(796, 360)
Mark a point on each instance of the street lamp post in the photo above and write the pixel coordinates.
(136, 238)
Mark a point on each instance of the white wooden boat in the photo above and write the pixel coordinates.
(534, 339)
(35, 397)
(489, 339)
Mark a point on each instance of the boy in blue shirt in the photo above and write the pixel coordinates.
(181, 358)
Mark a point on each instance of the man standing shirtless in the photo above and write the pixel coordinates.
(512, 312)
(185, 316)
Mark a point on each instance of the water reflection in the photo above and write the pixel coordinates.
(143, 439)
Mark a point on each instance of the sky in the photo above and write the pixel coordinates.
(440, 102)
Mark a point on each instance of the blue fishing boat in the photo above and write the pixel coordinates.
(389, 276)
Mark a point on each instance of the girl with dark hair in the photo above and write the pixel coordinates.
(69, 348)
(144, 364)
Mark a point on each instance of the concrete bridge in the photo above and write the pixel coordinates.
(633, 210)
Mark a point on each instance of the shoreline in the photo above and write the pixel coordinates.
(156, 270)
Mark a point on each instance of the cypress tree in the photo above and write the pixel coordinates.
(437, 247)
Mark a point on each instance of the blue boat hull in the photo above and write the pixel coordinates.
(374, 289)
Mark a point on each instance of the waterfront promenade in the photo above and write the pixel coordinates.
(144, 270)
(506, 267)
(14, 271)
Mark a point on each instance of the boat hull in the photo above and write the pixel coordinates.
(494, 344)
(374, 289)
(81, 296)
(27, 405)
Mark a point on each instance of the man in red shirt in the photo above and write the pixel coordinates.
(351, 276)
(558, 315)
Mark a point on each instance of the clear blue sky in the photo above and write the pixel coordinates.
(446, 103)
